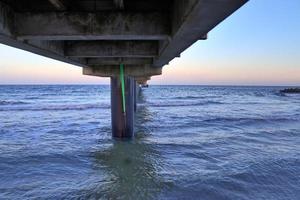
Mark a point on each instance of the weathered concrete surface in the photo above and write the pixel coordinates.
(6, 20)
(119, 4)
(40, 48)
(142, 80)
(106, 49)
(51, 49)
(133, 70)
(93, 26)
(117, 61)
(103, 34)
(58, 4)
(122, 119)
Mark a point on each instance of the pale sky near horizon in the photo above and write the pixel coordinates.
(258, 45)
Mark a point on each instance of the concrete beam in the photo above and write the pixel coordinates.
(93, 26)
(7, 18)
(134, 71)
(119, 4)
(42, 49)
(142, 79)
(112, 49)
(117, 61)
(58, 4)
(191, 21)
(53, 46)
(50, 49)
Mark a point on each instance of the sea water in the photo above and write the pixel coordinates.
(191, 142)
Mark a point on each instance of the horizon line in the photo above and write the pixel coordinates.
(103, 84)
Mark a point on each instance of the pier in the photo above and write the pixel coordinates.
(127, 40)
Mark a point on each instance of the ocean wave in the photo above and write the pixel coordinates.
(195, 97)
(12, 103)
(259, 94)
(190, 97)
(245, 120)
(183, 104)
(57, 107)
(280, 94)
(32, 98)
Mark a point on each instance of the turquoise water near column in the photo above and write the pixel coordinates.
(192, 142)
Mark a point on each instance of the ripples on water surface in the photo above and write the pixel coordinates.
(192, 142)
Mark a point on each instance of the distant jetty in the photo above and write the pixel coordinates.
(291, 90)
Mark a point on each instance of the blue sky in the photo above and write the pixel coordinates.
(258, 45)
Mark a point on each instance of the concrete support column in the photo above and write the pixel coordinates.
(135, 96)
(122, 122)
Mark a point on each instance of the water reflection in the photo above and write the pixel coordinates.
(143, 118)
(132, 166)
(132, 170)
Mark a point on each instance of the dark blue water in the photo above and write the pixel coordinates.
(192, 142)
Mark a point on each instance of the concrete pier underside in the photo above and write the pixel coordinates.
(99, 35)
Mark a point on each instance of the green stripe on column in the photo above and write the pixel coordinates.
(122, 86)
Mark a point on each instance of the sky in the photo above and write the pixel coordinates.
(257, 45)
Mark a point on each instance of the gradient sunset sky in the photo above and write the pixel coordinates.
(257, 45)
